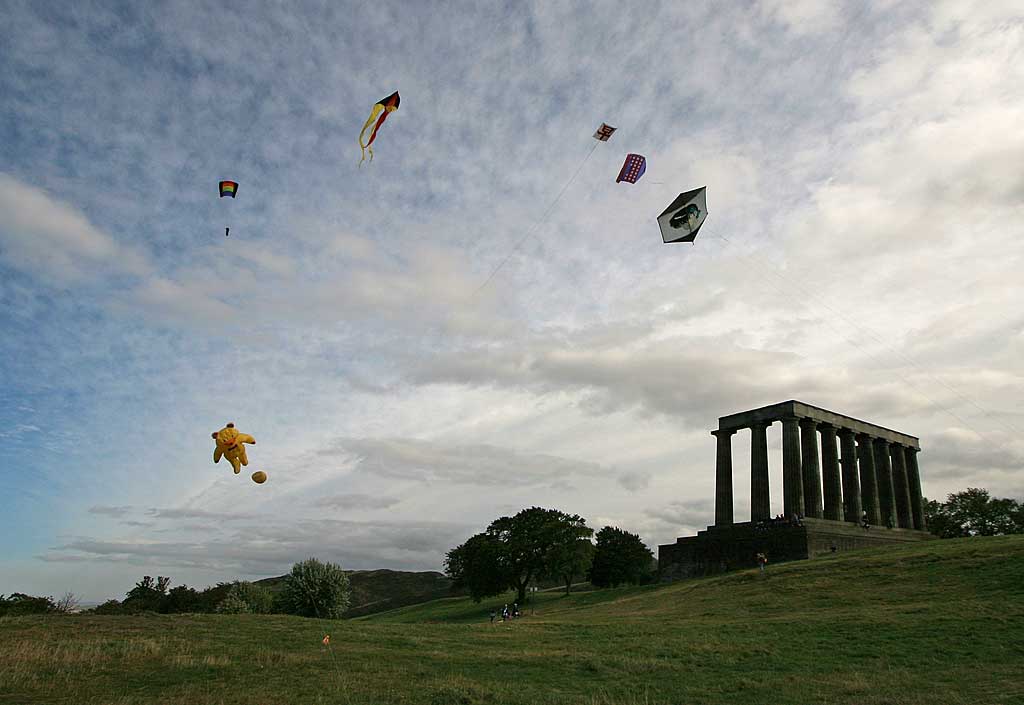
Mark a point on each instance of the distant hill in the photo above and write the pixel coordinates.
(381, 590)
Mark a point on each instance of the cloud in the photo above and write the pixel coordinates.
(110, 511)
(356, 501)
(634, 481)
(197, 514)
(678, 376)
(45, 235)
(462, 464)
(270, 548)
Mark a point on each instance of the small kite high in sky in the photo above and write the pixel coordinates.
(228, 188)
(684, 216)
(604, 133)
(632, 169)
(381, 109)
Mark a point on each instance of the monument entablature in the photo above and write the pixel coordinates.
(797, 409)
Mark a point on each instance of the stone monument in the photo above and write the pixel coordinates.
(842, 498)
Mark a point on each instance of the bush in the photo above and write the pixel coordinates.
(233, 604)
(108, 607)
(246, 598)
(21, 604)
(316, 589)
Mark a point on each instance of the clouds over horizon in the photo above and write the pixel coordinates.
(861, 253)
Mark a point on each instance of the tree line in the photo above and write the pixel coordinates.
(312, 589)
(546, 544)
(973, 512)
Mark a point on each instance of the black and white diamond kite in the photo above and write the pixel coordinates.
(684, 216)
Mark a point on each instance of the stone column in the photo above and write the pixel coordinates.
(883, 471)
(792, 481)
(901, 486)
(868, 479)
(811, 468)
(914, 478)
(831, 485)
(723, 478)
(851, 485)
(760, 499)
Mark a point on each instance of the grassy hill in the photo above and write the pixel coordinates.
(379, 590)
(934, 623)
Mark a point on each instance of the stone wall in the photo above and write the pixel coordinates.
(734, 547)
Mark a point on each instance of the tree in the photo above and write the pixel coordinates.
(531, 540)
(619, 557)
(573, 559)
(66, 604)
(514, 551)
(21, 604)
(246, 598)
(316, 589)
(181, 599)
(147, 595)
(477, 566)
(973, 512)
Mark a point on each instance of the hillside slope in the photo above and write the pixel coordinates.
(940, 623)
(379, 590)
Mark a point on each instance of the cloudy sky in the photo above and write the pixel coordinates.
(865, 172)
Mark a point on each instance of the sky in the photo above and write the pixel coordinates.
(862, 253)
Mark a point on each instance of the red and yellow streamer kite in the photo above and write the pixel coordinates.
(381, 110)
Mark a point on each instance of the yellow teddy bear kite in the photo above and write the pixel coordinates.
(229, 444)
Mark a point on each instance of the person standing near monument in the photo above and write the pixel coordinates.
(762, 561)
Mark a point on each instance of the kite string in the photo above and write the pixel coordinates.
(543, 218)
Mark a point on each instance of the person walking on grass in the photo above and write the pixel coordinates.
(762, 561)
(494, 613)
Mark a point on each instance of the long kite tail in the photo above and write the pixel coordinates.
(377, 110)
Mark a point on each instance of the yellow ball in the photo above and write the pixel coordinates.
(259, 477)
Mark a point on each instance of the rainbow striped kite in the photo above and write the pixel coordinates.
(228, 188)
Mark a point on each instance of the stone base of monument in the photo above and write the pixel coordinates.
(719, 549)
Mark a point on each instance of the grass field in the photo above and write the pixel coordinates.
(924, 624)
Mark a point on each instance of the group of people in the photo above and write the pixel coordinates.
(779, 520)
(506, 612)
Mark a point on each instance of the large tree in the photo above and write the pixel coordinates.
(477, 566)
(973, 512)
(514, 551)
(573, 559)
(619, 557)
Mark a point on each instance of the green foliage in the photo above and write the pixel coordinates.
(973, 512)
(478, 566)
(182, 599)
(19, 604)
(246, 598)
(108, 608)
(620, 558)
(147, 595)
(233, 604)
(316, 589)
(516, 550)
(572, 559)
